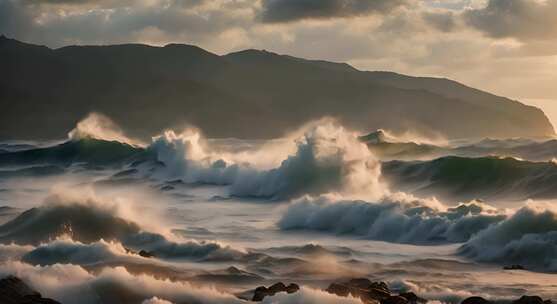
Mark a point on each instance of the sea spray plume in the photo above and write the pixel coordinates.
(191, 145)
(328, 158)
(99, 126)
(529, 237)
(185, 156)
(395, 218)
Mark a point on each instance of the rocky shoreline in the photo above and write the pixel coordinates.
(14, 291)
(370, 292)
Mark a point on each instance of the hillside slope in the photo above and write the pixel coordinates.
(249, 94)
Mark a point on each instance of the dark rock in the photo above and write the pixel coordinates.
(146, 254)
(167, 188)
(261, 292)
(529, 300)
(475, 300)
(394, 300)
(292, 288)
(277, 287)
(381, 286)
(15, 291)
(514, 267)
(378, 293)
(366, 284)
(362, 283)
(362, 288)
(338, 289)
(412, 298)
(233, 270)
(143, 253)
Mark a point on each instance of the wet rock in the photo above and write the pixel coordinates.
(143, 253)
(362, 283)
(15, 291)
(412, 298)
(146, 254)
(292, 288)
(338, 289)
(529, 300)
(475, 300)
(380, 286)
(364, 289)
(277, 287)
(261, 292)
(514, 267)
(394, 300)
(167, 188)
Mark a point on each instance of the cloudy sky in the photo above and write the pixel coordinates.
(508, 47)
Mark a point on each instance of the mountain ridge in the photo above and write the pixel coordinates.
(147, 88)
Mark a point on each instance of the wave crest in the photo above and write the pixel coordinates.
(90, 221)
(328, 158)
(529, 237)
(99, 126)
(397, 218)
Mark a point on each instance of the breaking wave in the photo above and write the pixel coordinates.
(488, 178)
(529, 237)
(85, 150)
(526, 237)
(397, 218)
(322, 157)
(100, 127)
(72, 284)
(87, 221)
(387, 146)
(66, 251)
(328, 158)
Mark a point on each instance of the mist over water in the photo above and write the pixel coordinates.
(101, 217)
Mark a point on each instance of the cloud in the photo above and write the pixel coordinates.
(503, 46)
(293, 10)
(14, 19)
(521, 19)
(59, 23)
(443, 21)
